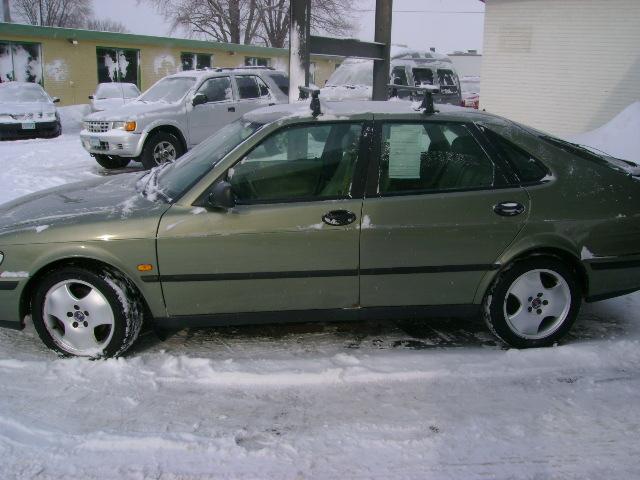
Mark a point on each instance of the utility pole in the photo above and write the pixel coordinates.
(382, 67)
(40, 6)
(6, 11)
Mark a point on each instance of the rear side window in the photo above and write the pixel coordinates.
(247, 87)
(217, 89)
(427, 157)
(526, 167)
(399, 76)
(281, 81)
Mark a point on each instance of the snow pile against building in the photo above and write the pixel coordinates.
(620, 137)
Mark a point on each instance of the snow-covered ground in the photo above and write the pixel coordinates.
(413, 399)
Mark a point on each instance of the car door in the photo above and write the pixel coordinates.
(437, 214)
(220, 109)
(252, 93)
(290, 243)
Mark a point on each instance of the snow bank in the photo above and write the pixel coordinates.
(620, 137)
(71, 117)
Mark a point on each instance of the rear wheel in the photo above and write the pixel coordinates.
(79, 312)
(534, 303)
(111, 162)
(160, 147)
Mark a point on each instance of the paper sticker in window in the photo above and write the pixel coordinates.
(406, 143)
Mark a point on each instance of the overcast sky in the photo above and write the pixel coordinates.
(447, 25)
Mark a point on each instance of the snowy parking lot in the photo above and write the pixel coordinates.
(431, 398)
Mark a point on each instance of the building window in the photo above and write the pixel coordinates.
(195, 61)
(20, 62)
(118, 65)
(256, 61)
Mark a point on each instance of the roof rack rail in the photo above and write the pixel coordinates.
(314, 93)
(427, 100)
(226, 69)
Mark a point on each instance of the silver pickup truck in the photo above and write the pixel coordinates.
(179, 112)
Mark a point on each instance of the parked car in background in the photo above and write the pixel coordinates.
(112, 95)
(353, 79)
(178, 112)
(26, 111)
(394, 213)
(470, 87)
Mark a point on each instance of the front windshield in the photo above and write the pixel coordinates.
(109, 90)
(168, 89)
(19, 92)
(173, 180)
(353, 72)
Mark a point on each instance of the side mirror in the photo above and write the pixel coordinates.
(199, 99)
(55, 100)
(90, 97)
(221, 196)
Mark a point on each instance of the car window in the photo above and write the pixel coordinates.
(130, 91)
(422, 76)
(423, 157)
(399, 76)
(299, 163)
(527, 168)
(247, 86)
(282, 81)
(169, 89)
(217, 89)
(447, 81)
(22, 92)
(264, 90)
(108, 90)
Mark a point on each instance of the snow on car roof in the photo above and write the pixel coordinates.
(221, 71)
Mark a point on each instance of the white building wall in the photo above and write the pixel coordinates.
(564, 66)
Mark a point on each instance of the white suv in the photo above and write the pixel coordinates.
(179, 112)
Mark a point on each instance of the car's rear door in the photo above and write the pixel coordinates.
(290, 243)
(220, 109)
(437, 214)
(253, 93)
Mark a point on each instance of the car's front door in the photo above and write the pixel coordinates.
(220, 109)
(438, 213)
(290, 243)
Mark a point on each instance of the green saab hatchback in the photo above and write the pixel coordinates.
(368, 210)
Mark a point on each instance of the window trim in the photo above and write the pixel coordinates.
(359, 180)
(373, 177)
(196, 55)
(232, 100)
(504, 159)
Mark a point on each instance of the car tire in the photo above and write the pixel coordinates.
(160, 147)
(533, 303)
(85, 313)
(111, 162)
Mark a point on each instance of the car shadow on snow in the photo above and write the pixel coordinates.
(605, 320)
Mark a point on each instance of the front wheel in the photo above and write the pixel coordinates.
(534, 303)
(83, 313)
(111, 162)
(160, 147)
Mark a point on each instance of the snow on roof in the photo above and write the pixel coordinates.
(618, 138)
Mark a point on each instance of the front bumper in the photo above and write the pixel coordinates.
(10, 292)
(113, 142)
(14, 131)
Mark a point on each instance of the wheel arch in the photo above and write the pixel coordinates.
(559, 253)
(88, 263)
(168, 128)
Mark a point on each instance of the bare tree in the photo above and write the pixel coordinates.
(54, 13)
(235, 21)
(248, 21)
(106, 25)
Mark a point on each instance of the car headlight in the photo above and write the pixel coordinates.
(85, 125)
(49, 115)
(128, 126)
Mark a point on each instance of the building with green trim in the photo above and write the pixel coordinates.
(69, 63)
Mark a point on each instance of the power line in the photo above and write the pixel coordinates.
(423, 11)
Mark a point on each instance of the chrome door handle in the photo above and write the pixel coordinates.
(508, 209)
(339, 217)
